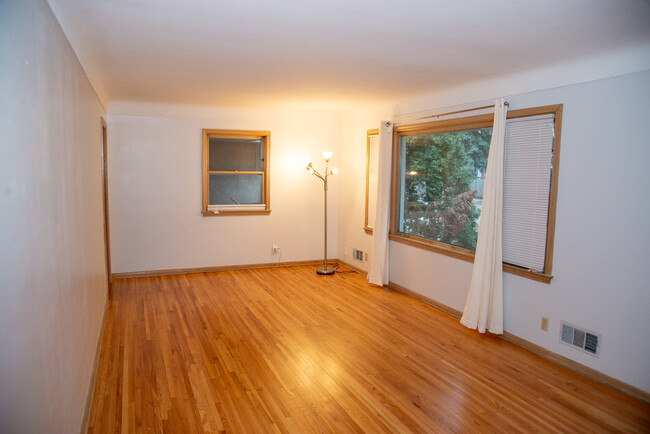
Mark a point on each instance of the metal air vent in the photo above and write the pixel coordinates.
(579, 338)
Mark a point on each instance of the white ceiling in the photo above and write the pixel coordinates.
(328, 52)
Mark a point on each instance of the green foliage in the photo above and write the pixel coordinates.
(438, 194)
(477, 146)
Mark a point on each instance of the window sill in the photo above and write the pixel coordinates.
(465, 255)
(235, 213)
(529, 274)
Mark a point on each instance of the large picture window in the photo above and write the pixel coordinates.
(441, 185)
(438, 176)
(235, 172)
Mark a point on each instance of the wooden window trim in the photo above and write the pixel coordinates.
(458, 124)
(374, 132)
(266, 173)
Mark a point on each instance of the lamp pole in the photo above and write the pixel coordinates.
(325, 270)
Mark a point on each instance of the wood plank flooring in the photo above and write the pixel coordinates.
(286, 350)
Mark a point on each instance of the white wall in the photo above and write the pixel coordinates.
(52, 269)
(600, 267)
(155, 165)
(353, 177)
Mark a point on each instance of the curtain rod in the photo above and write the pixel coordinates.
(444, 114)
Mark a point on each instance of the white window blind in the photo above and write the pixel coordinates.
(526, 190)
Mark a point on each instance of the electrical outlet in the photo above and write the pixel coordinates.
(365, 256)
(544, 325)
(276, 248)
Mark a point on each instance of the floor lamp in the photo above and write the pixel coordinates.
(325, 270)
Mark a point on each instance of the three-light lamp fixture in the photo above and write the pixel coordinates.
(327, 155)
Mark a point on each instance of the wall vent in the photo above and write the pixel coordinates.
(579, 338)
(358, 255)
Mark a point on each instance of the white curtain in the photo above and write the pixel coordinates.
(378, 269)
(484, 305)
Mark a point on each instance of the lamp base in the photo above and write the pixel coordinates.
(325, 271)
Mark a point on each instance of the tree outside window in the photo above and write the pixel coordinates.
(442, 179)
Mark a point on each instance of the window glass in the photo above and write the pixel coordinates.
(227, 189)
(229, 154)
(441, 180)
(372, 166)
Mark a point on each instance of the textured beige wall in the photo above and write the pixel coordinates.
(52, 269)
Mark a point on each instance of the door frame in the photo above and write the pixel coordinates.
(107, 232)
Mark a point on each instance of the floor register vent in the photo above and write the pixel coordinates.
(581, 339)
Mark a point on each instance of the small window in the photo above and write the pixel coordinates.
(372, 163)
(236, 172)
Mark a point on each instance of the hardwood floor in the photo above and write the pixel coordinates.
(286, 350)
